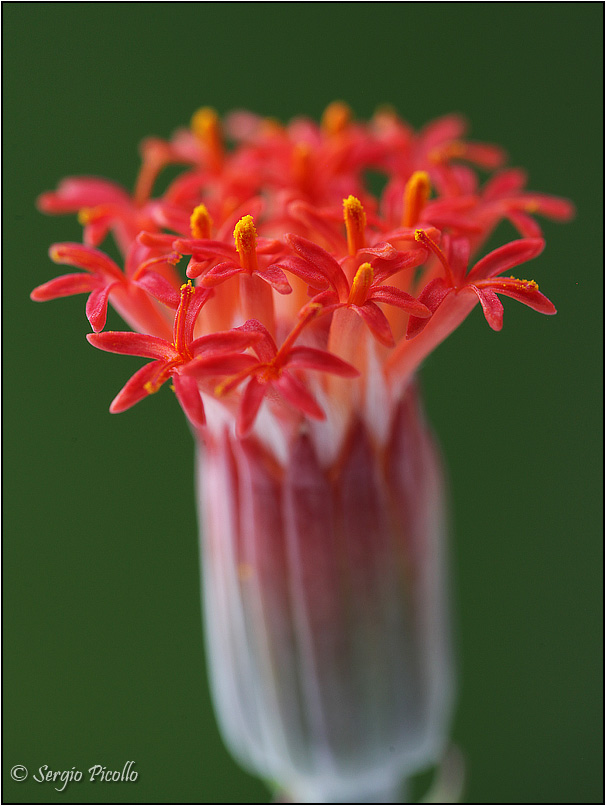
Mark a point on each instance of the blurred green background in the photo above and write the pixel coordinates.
(103, 647)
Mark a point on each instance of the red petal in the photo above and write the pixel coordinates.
(276, 278)
(322, 261)
(199, 298)
(432, 296)
(64, 286)
(229, 340)
(160, 288)
(206, 249)
(113, 341)
(376, 321)
(188, 396)
(505, 258)
(550, 206)
(96, 306)
(504, 184)
(295, 393)
(311, 358)
(303, 269)
(156, 239)
(491, 305)
(220, 273)
(265, 347)
(458, 257)
(84, 257)
(525, 224)
(218, 364)
(76, 192)
(449, 127)
(522, 290)
(485, 155)
(393, 296)
(134, 389)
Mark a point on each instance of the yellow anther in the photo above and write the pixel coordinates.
(416, 194)
(361, 284)
(245, 236)
(336, 117)
(529, 283)
(531, 206)
(85, 216)
(355, 221)
(206, 126)
(200, 222)
(151, 388)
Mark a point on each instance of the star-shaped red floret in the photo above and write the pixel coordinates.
(170, 358)
(482, 279)
(366, 290)
(271, 371)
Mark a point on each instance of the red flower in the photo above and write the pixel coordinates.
(482, 279)
(272, 371)
(366, 289)
(171, 357)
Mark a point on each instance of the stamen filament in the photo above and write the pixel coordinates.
(206, 127)
(355, 222)
(422, 237)
(180, 341)
(416, 194)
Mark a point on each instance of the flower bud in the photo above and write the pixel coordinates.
(326, 609)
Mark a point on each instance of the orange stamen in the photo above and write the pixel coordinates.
(416, 194)
(422, 237)
(336, 118)
(355, 221)
(245, 236)
(361, 283)
(207, 128)
(180, 342)
(200, 222)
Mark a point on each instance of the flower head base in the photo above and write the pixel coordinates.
(293, 348)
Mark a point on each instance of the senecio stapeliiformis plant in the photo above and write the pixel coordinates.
(293, 348)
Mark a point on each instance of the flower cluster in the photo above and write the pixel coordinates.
(291, 334)
(306, 292)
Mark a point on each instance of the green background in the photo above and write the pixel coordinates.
(103, 648)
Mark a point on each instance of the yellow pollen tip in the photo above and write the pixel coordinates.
(205, 122)
(84, 216)
(355, 222)
(336, 117)
(151, 388)
(187, 288)
(361, 283)
(529, 283)
(200, 222)
(245, 236)
(416, 194)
